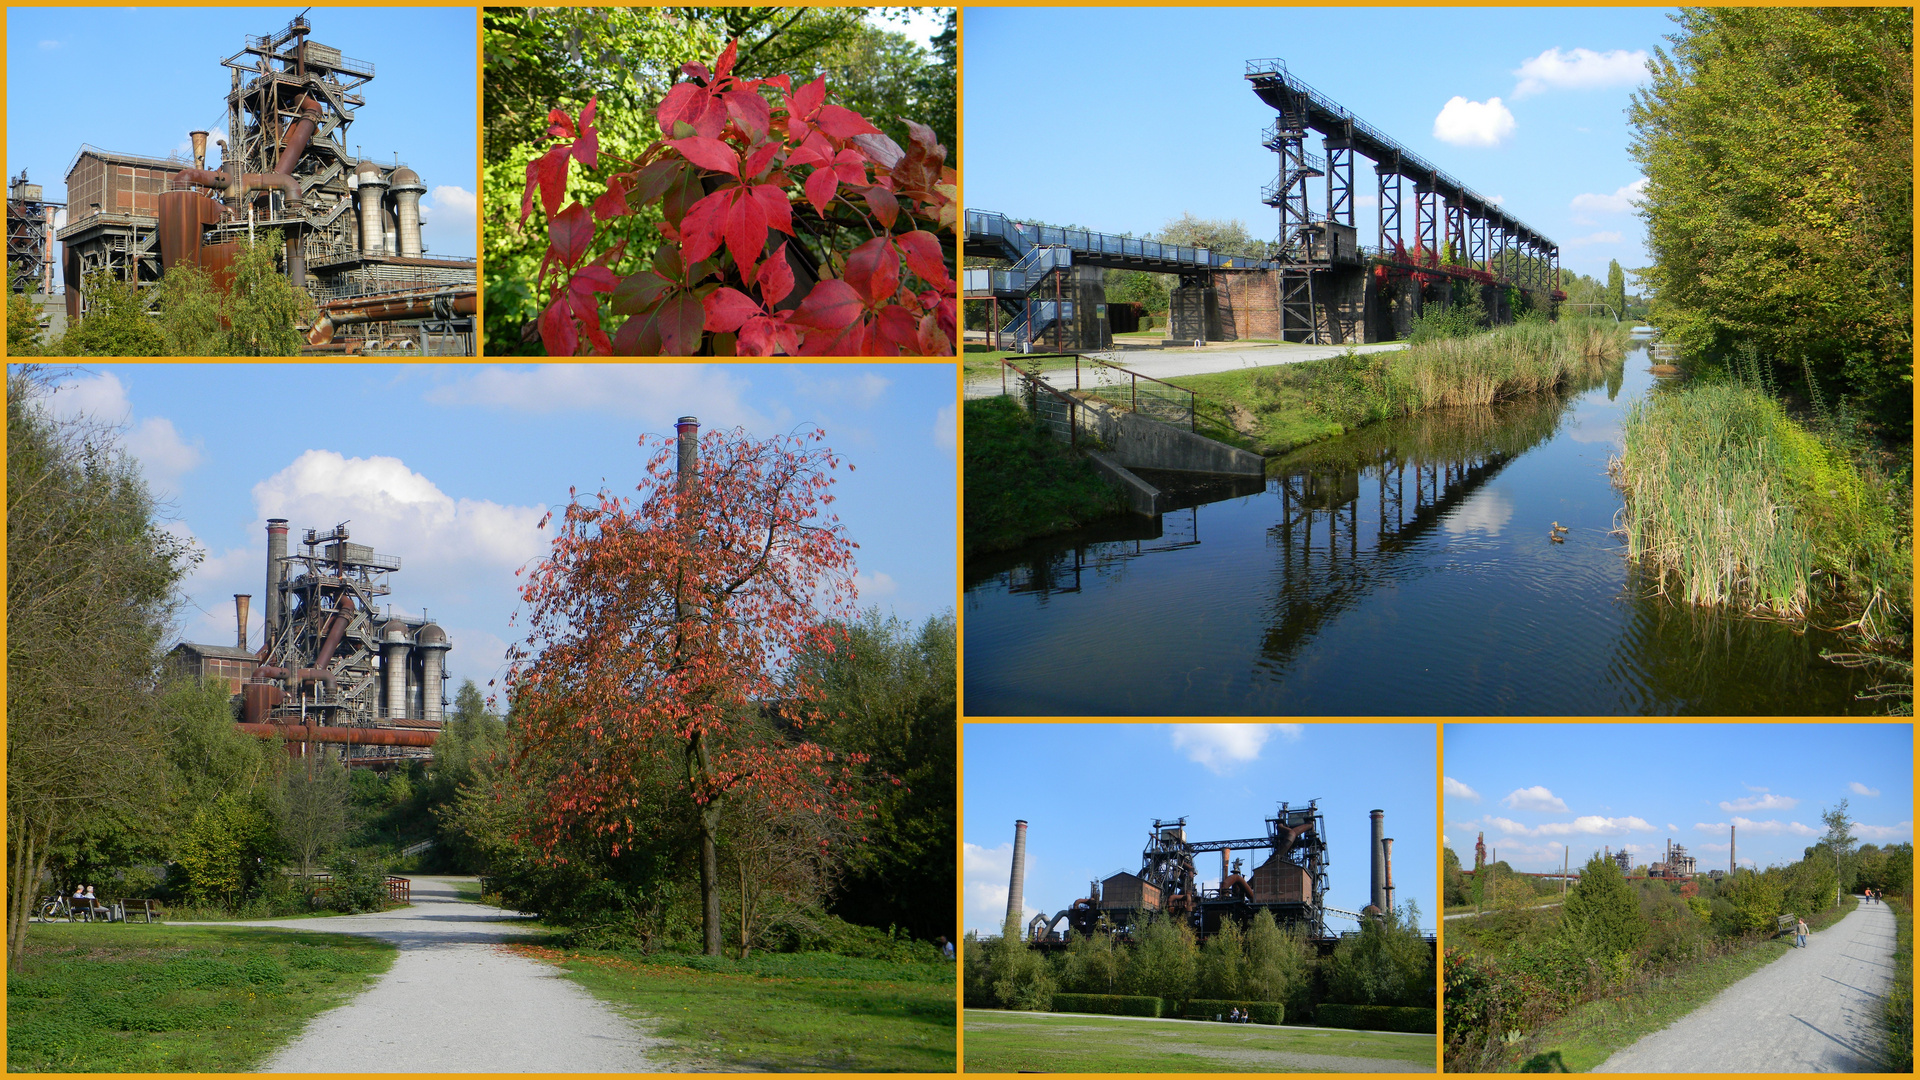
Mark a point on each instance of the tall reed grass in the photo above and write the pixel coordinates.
(1500, 365)
(1729, 502)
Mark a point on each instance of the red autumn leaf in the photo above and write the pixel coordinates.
(921, 137)
(726, 309)
(873, 270)
(639, 292)
(750, 111)
(594, 279)
(557, 332)
(746, 229)
(760, 160)
(613, 203)
(773, 203)
(653, 181)
(559, 125)
(809, 98)
(681, 322)
(586, 149)
(638, 336)
(703, 230)
(813, 150)
(850, 167)
(843, 123)
(879, 149)
(723, 66)
(830, 305)
(883, 204)
(682, 104)
(820, 187)
(922, 250)
(947, 317)
(932, 341)
(548, 172)
(776, 277)
(586, 114)
(711, 154)
(588, 313)
(851, 341)
(896, 331)
(571, 233)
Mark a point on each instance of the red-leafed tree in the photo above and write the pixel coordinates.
(664, 628)
(743, 160)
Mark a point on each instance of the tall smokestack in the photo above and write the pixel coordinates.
(1379, 860)
(276, 565)
(240, 602)
(1386, 856)
(1016, 888)
(689, 430)
(1224, 853)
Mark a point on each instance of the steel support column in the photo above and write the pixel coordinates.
(1389, 204)
(1426, 209)
(1457, 229)
(1340, 177)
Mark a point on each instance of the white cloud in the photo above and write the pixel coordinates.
(1473, 123)
(448, 221)
(1774, 828)
(60, 218)
(163, 455)
(875, 585)
(1880, 834)
(988, 874)
(1587, 825)
(943, 428)
(1534, 798)
(1859, 788)
(1595, 238)
(863, 390)
(1222, 746)
(1580, 69)
(1764, 802)
(1497, 200)
(654, 393)
(1755, 790)
(1621, 201)
(1457, 790)
(1488, 512)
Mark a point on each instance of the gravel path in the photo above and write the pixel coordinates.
(1173, 363)
(1812, 1010)
(456, 1001)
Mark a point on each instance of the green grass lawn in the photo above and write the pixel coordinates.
(1267, 410)
(1022, 482)
(1054, 1042)
(807, 1012)
(120, 998)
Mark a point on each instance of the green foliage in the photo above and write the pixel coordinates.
(1221, 971)
(1601, 916)
(1617, 288)
(1376, 1017)
(359, 883)
(1107, 1004)
(1024, 483)
(1279, 964)
(1003, 973)
(226, 849)
(23, 325)
(1092, 964)
(190, 316)
(116, 323)
(1777, 145)
(1162, 959)
(262, 304)
(1387, 963)
(1465, 316)
(1896, 1009)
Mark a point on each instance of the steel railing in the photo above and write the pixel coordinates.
(1057, 412)
(1153, 398)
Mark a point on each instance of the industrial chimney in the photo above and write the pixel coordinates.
(240, 602)
(1379, 860)
(1386, 856)
(276, 566)
(1016, 888)
(688, 428)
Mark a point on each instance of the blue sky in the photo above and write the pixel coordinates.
(451, 468)
(1121, 119)
(1539, 789)
(1090, 793)
(136, 80)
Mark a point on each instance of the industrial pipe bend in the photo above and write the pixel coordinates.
(287, 185)
(206, 178)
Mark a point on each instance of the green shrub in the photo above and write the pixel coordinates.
(1263, 1012)
(1376, 1018)
(1108, 1004)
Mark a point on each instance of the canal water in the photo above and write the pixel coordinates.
(1403, 570)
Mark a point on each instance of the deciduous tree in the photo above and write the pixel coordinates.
(661, 629)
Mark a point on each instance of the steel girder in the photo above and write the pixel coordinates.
(1426, 227)
(1389, 207)
(1340, 178)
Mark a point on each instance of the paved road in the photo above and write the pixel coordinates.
(456, 1001)
(1173, 363)
(1812, 1010)
(1477, 914)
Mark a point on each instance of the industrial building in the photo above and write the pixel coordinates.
(1290, 880)
(351, 225)
(331, 668)
(31, 217)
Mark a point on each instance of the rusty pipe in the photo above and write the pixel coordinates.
(374, 310)
(357, 736)
(240, 602)
(206, 178)
(336, 627)
(287, 185)
(298, 135)
(199, 148)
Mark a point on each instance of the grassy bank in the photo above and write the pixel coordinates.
(1896, 1015)
(1042, 1042)
(1273, 409)
(1729, 502)
(778, 1013)
(120, 998)
(1022, 482)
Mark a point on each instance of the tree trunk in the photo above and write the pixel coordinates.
(29, 862)
(708, 813)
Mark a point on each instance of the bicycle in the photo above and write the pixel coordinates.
(55, 907)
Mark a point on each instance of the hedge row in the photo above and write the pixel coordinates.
(1376, 1018)
(1107, 1004)
(1262, 1012)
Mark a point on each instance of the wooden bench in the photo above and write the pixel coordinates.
(1784, 924)
(145, 910)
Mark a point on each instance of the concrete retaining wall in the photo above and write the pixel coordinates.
(1142, 498)
(1136, 442)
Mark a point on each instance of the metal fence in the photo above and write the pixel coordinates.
(1057, 412)
(1156, 399)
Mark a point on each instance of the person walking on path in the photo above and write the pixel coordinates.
(1800, 931)
(1806, 1011)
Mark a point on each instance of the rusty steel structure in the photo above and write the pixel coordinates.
(30, 216)
(351, 225)
(1677, 865)
(331, 668)
(1290, 882)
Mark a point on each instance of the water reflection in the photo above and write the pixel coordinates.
(1406, 569)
